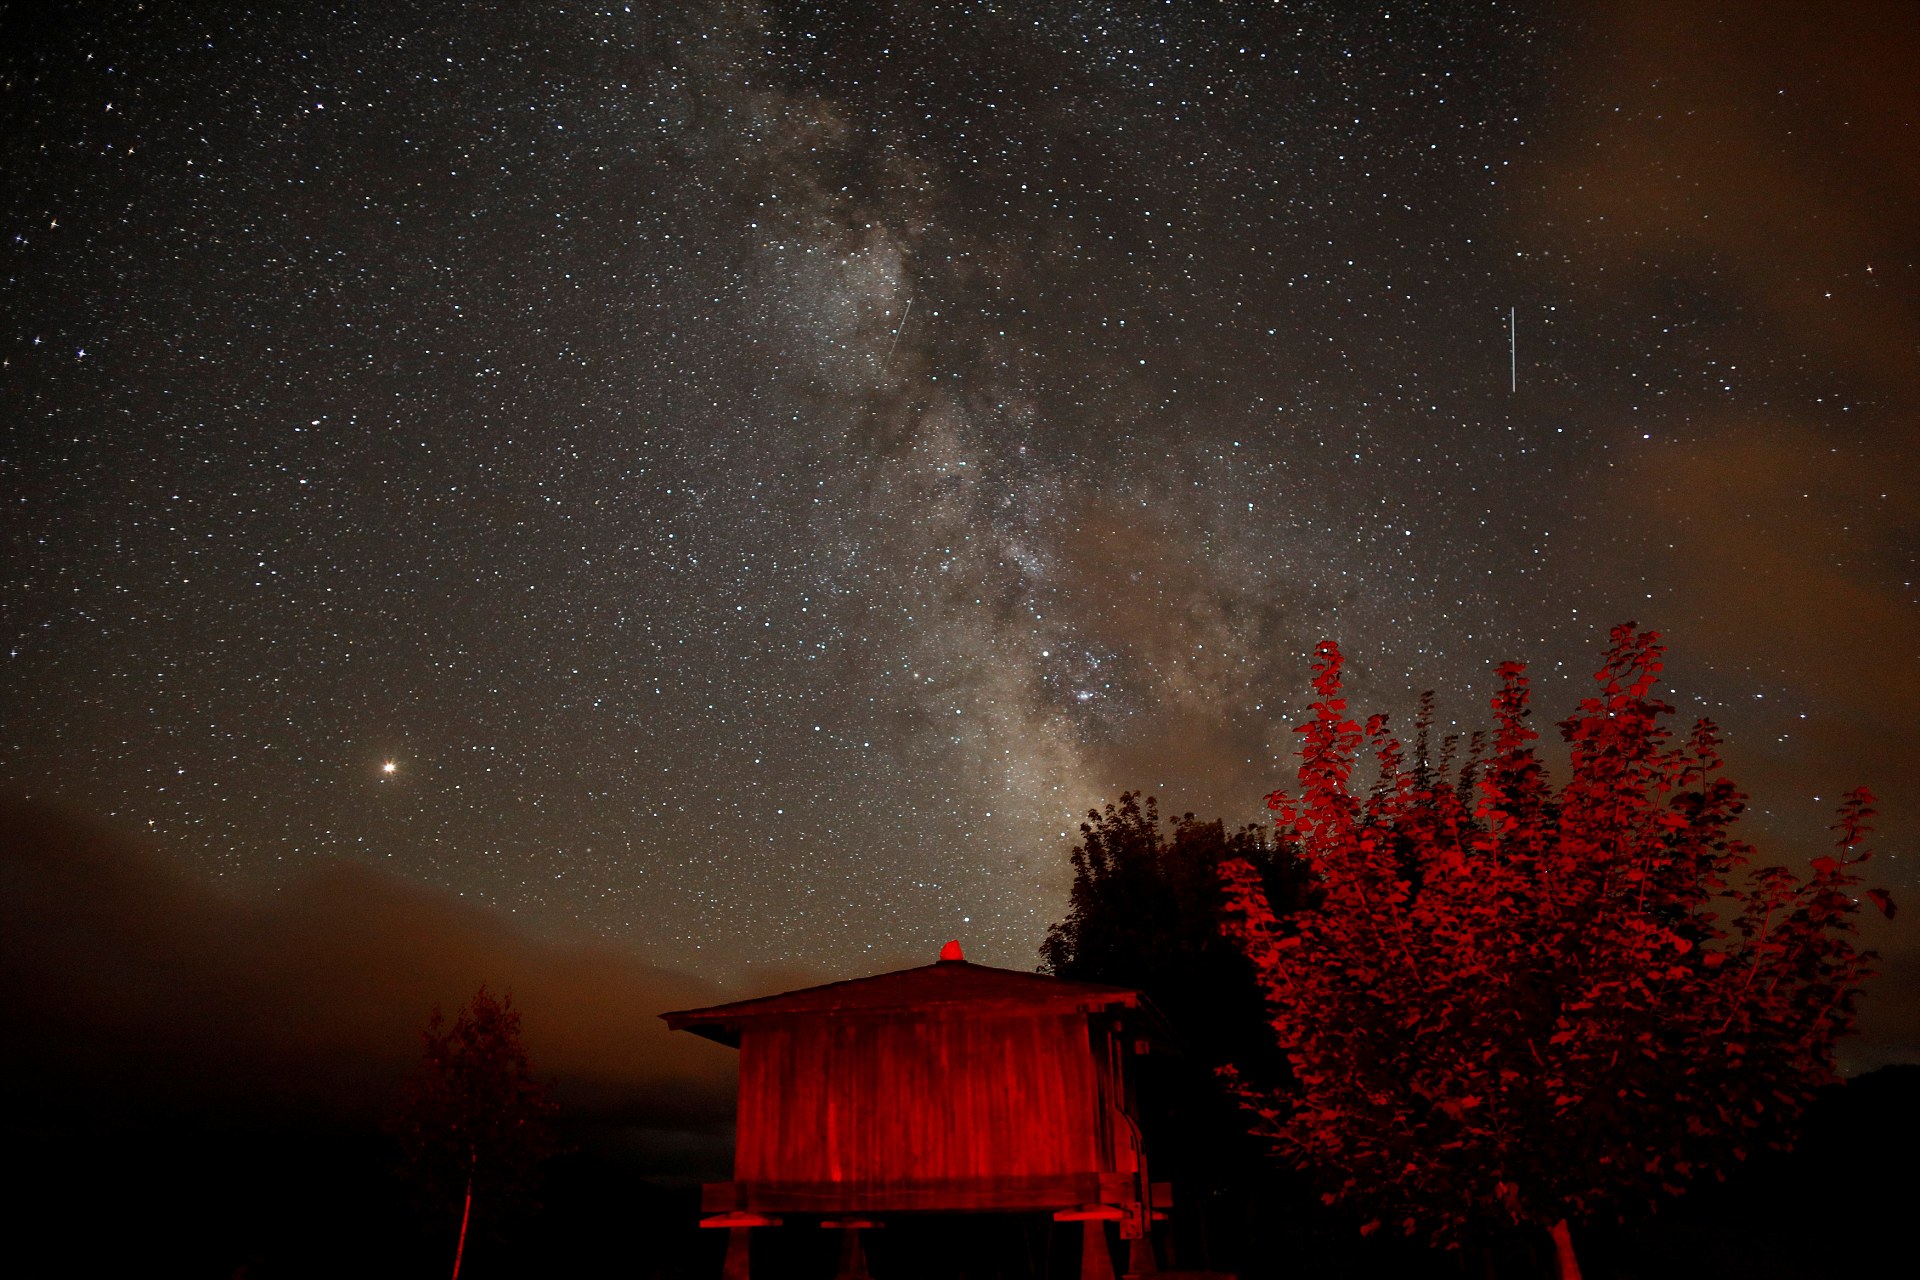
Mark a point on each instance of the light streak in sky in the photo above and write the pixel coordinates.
(899, 330)
(1513, 353)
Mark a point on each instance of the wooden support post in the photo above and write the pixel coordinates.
(736, 1267)
(853, 1258)
(1159, 1198)
(853, 1255)
(737, 1224)
(1140, 1259)
(1095, 1262)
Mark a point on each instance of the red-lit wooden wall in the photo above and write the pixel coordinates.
(930, 1108)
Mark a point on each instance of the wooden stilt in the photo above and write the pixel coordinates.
(735, 1267)
(853, 1256)
(1140, 1259)
(1095, 1262)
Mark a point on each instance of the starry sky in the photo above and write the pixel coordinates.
(757, 472)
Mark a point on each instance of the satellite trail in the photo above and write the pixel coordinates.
(1513, 352)
(897, 331)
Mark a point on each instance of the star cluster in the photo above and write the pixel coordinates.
(741, 479)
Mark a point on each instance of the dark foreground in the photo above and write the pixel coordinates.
(188, 1195)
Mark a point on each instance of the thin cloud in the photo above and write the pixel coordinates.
(132, 982)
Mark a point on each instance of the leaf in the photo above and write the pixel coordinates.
(1477, 938)
(1883, 900)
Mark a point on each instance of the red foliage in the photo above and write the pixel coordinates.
(1516, 1005)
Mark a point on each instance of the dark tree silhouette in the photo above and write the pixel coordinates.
(1515, 1006)
(1147, 910)
(474, 1124)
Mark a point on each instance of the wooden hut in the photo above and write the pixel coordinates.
(952, 1087)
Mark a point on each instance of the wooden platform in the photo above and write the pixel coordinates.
(1000, 1195)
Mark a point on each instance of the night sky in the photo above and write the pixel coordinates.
(728, 485)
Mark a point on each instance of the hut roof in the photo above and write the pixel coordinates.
(948, 985)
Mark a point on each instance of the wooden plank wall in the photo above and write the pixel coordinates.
(891, 1100)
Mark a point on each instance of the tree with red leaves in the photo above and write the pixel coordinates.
(473, 1121)
(1515, 1007)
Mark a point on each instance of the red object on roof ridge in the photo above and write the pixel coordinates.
(951, 953)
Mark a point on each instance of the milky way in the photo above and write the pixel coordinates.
(759, 473)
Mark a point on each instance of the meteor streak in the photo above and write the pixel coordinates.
(1513, 353)
(897, 331)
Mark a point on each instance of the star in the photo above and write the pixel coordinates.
(1170, 338)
